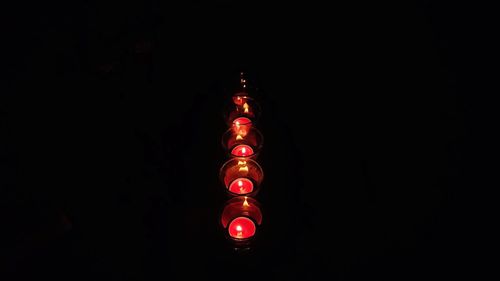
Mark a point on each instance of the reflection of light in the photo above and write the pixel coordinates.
(243, 166)
(239, 137)
(245, 203)
(245, 107)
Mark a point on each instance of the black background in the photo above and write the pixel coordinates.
(111, 126)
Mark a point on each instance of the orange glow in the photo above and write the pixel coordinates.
(245, 107)
(243, 166)
(239, 137)
(245, 203)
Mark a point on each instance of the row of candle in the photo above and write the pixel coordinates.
(241, 174)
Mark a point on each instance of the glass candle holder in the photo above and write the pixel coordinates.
(241, 176)
(242, 105)
(240, 98)
(243, 142)
(241, 218)
(241, 126)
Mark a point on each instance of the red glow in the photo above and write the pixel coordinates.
(241, 186)
(239, 100)
(241, 228)
(242, 121)
(241, 126)
(242, 150)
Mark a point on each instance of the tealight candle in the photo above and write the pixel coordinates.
(242, 150)
(241, 228)
(241, 186)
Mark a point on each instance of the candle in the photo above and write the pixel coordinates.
(252, 140)
(242, 228)
(245, 170)
(241, 186)
(242, 150)
(242, 121)
(241, 126)
(241, 217)
(239, 100)
(242, 106)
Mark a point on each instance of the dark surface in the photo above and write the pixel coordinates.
(111, 141)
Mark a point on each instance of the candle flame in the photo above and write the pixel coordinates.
(243, 166)
(239, 228)
(245, 107)
(240, 183)
(245, 203)
(243, 150)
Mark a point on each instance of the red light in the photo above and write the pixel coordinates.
(242, 150)
(242, 121)
(241, 186)
(241, 228)
(241, 126)
(239, 99)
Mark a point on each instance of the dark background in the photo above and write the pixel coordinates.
(111, 126)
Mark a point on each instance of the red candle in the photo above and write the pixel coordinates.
(242, 121)
(241, 186)
(241, 228)
(242, 150)
(241, 126)
(239, 100)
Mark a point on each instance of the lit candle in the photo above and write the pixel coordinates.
(242, 228)
(241, 126)
(241, 217)
(242, 150)
(242, 121)
(241, 169)
(241, 186)
(239, 99)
